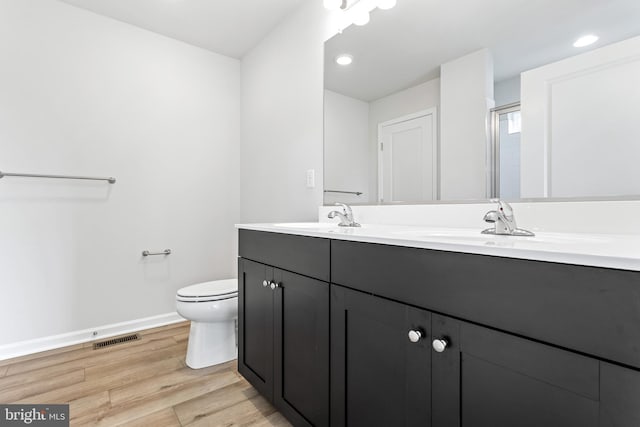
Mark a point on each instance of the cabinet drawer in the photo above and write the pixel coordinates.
(305, 255)
(566, 305)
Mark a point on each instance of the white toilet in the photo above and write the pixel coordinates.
(212, 308)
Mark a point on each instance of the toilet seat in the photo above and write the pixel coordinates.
(209, 291)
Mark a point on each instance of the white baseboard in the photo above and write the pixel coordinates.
(77, 337)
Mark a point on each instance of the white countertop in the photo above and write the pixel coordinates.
(598, 250)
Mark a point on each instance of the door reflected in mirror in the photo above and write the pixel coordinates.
(474, 100)
(408, 158)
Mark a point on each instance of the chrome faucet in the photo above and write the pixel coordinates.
(346, 216)
(504, 221)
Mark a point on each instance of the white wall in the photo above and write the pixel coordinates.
(580, 133)
(507, 91)
(346, 149)
(417, 98)
(466, 96)
(83, 94)
(282, 106)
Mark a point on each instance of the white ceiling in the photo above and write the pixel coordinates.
(228, 27)
(406, 45)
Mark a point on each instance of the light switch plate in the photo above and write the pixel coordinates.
(311, 178)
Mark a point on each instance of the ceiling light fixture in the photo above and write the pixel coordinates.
(386, 4)
(344, 59)
(586, 40)
(357, 11)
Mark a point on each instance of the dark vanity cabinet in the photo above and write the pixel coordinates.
(283, 328)
(386, 370)
(517, 342)
(375, 335)
(380, 361)
(488, 378)
(619, 396)
(255, 325)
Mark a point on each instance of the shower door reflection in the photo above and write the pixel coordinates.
(506, 128)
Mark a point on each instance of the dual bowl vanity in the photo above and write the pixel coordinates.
(444, 105)
(384, 325)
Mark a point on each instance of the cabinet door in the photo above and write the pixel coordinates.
(487, 378)
(619, 396)
(379, 377)
(255, 325)
(301, 349)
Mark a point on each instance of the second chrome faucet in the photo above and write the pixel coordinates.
(504, 221)
(346, 216)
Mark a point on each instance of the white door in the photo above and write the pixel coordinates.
(408, 158)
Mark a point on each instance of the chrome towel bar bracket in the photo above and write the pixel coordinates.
(110, 179)
(148, 253)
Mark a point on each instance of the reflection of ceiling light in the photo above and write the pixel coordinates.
(356, 11)
(344, 59)
(361, 18)
(585, 40)
(386, 4)
(332, 4)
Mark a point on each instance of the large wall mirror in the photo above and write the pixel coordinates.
(468, 100)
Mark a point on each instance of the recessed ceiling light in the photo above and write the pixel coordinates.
(386, 4)
(344, 59)
(585, 40)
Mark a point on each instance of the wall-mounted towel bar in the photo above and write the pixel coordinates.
(357, 193)
(148, 253)
(110, 179)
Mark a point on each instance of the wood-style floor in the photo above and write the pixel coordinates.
(139, 383)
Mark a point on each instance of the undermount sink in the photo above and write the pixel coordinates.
(306, 225)
(470, 236)
(474, 236)
(440, 232)
(319, 225)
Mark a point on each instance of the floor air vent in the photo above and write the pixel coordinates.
(114, 341)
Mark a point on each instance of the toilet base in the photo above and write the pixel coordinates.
(211, 343)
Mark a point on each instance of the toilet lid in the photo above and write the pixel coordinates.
(217, 289)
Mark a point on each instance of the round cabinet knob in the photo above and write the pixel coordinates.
(440, 345)
(265, 283)
(274, 285)
(414, 336)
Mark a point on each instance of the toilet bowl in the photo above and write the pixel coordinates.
(212, 308)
